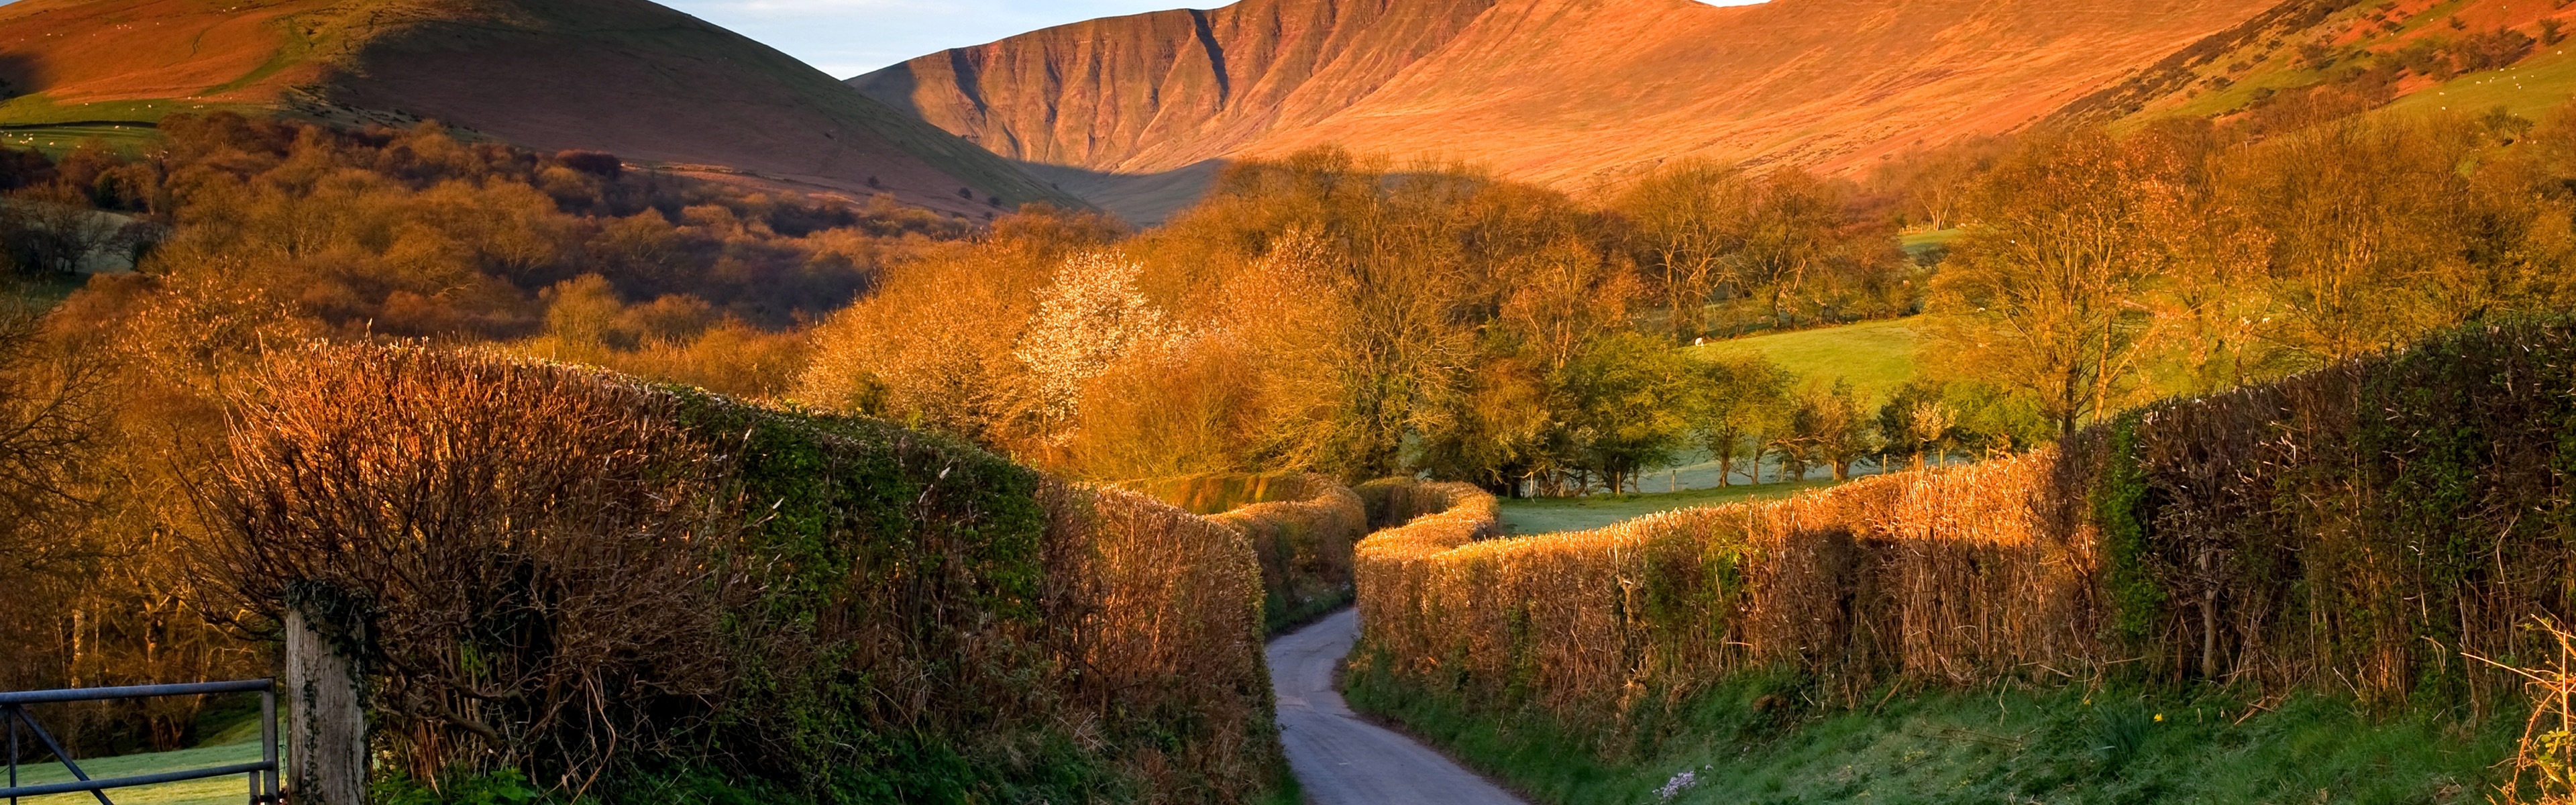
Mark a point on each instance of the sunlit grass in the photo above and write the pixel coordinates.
(1875, 356)
(2530, 89)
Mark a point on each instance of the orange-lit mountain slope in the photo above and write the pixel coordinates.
(1560, 91)
(624, 76)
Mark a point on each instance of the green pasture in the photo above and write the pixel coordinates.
(1875, 356)
(35, 121)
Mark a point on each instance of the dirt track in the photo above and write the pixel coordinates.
(1342, 759)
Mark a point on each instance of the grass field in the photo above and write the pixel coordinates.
(34, 121)
(1760, 740)
(212, 791)
(1547, 515)
(1917, 244)
(1876, 356)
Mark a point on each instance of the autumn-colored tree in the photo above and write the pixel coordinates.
(1689, 220)
(2041, 295)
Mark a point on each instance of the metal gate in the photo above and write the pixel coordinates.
(263, 774)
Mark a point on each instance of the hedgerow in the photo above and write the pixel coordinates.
(628, 591)
(1302, 527)
(2355, 530)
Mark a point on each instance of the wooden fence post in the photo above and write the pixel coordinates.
(327, 724)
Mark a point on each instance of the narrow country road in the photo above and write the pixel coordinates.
(1342, 760)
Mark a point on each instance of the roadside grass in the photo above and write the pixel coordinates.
(1876, 356)
(1549, 515)
(1756, 740)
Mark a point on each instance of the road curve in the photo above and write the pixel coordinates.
(1342, 760)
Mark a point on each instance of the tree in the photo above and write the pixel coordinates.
(1933, 187)
(2365, 222)
(1688, 220)
(1089, 318)
(1739, 400)
(1828, 427)
(1917, 421)
(2044, 294)
(1626, 401)
(53, 230)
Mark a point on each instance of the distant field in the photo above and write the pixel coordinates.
(1918, 243)
(32, 121)
(1548, 515)
(1875, 356)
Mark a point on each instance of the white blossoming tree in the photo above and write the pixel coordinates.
(1087, 320)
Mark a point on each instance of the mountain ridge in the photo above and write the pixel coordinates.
(1564, 92)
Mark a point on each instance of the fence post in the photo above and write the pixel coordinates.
(327, 725)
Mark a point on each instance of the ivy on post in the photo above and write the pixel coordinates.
(326, 722)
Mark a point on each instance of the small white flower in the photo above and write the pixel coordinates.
(1680, 783)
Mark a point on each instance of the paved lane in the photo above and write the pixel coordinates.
(1343, 760)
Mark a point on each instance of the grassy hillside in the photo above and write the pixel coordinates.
(2460, 55)
(1875, 356)
(2529, 89)
(625, 76)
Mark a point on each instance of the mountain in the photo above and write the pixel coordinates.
(1136, 109)
(629, 77)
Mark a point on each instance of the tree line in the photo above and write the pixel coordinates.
(1365, 319)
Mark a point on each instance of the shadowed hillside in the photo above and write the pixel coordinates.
(626, 76)
(1559, 91)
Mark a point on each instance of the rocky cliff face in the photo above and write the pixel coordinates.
(1559, 91)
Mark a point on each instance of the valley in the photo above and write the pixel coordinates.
(576, 402)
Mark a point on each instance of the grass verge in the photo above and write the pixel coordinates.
(1766, 739)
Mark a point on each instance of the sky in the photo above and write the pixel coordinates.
(849, 37)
